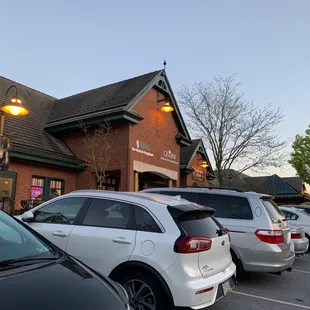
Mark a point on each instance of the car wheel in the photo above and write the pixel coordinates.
(308, 237)
(241, 273)
(145, 292)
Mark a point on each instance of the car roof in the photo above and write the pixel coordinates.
(210, 190)
(132, 196)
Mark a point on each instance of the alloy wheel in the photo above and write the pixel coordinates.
(141, 296)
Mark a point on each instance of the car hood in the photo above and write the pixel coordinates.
(62, 286)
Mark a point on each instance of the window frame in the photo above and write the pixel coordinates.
(133, 204)
(47, 185)
(229, 218)
(78, 216)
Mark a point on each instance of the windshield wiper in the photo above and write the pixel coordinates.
(10, 262)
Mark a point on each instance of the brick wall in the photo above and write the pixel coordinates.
(158, 130)
(118, 160)
(25, 171)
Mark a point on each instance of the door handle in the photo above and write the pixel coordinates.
(121, 240)
(59, 234)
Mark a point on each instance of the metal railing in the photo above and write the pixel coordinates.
(29, 204)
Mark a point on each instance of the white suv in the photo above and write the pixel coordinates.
(165, 251)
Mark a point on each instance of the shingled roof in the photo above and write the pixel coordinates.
(295, 182)
(271, 185)
(188, 151)
(29, 136)
(114, 96)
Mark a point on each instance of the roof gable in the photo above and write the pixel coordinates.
(188, 153)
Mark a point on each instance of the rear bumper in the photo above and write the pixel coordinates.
(184, 290)
(301, 245)
(267, 258)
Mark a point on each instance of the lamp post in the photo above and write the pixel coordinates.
(12, 106)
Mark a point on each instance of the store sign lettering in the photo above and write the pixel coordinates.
(170, 157)
(142, 148)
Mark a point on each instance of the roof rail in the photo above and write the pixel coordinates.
(212, 187)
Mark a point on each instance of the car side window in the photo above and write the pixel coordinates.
(145, 221)
(290, 216)
(231, 207)
(63, 211)
(109, 213)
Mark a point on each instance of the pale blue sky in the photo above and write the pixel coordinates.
(65, 47)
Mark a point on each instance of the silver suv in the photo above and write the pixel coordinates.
(260, 234)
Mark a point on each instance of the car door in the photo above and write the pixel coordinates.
(235, 214)
(55, 220)
(105, 237)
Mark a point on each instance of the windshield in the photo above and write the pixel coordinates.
(16, 242)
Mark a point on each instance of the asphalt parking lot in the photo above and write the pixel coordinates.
(265, 291)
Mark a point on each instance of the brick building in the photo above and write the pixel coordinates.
(146, 143)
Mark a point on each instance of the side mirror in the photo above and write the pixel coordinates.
(28, 216)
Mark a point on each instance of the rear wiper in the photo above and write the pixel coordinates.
(10, 262)
(221, 231)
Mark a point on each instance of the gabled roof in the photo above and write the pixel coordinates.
(188, 153)
(114, 96)
(114, 101)
(29, 136)
(271, 185)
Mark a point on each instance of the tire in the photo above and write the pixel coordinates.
(308, 237)
(241, 273)
(153, 290)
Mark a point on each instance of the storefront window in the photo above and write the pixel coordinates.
(43, 186)
(109, 184)
(37, 188)
(57, 185)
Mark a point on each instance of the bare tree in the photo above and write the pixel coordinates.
(97, 142)
(240, 135)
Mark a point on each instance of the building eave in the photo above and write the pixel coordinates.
(111, 116)
(50, 161)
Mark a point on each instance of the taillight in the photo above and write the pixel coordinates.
(194, 245)
(270, 236)
(296, 235)
(228, 233)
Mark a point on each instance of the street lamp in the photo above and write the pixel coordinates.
(12, 106)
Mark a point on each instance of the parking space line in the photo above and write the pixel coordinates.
(302, 271)
(270, 299)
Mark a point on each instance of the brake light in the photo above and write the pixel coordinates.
(270, 236)
(194, 245)
(228, 233)
(296, 235)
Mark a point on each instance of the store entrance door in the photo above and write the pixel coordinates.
(7, 191)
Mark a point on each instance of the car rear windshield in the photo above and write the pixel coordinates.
(273, 210)
(201, 224)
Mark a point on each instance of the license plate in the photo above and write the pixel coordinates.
(226, 287)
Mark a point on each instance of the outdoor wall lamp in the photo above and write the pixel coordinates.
(14, 106)
(167, 107)
(204, 164)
